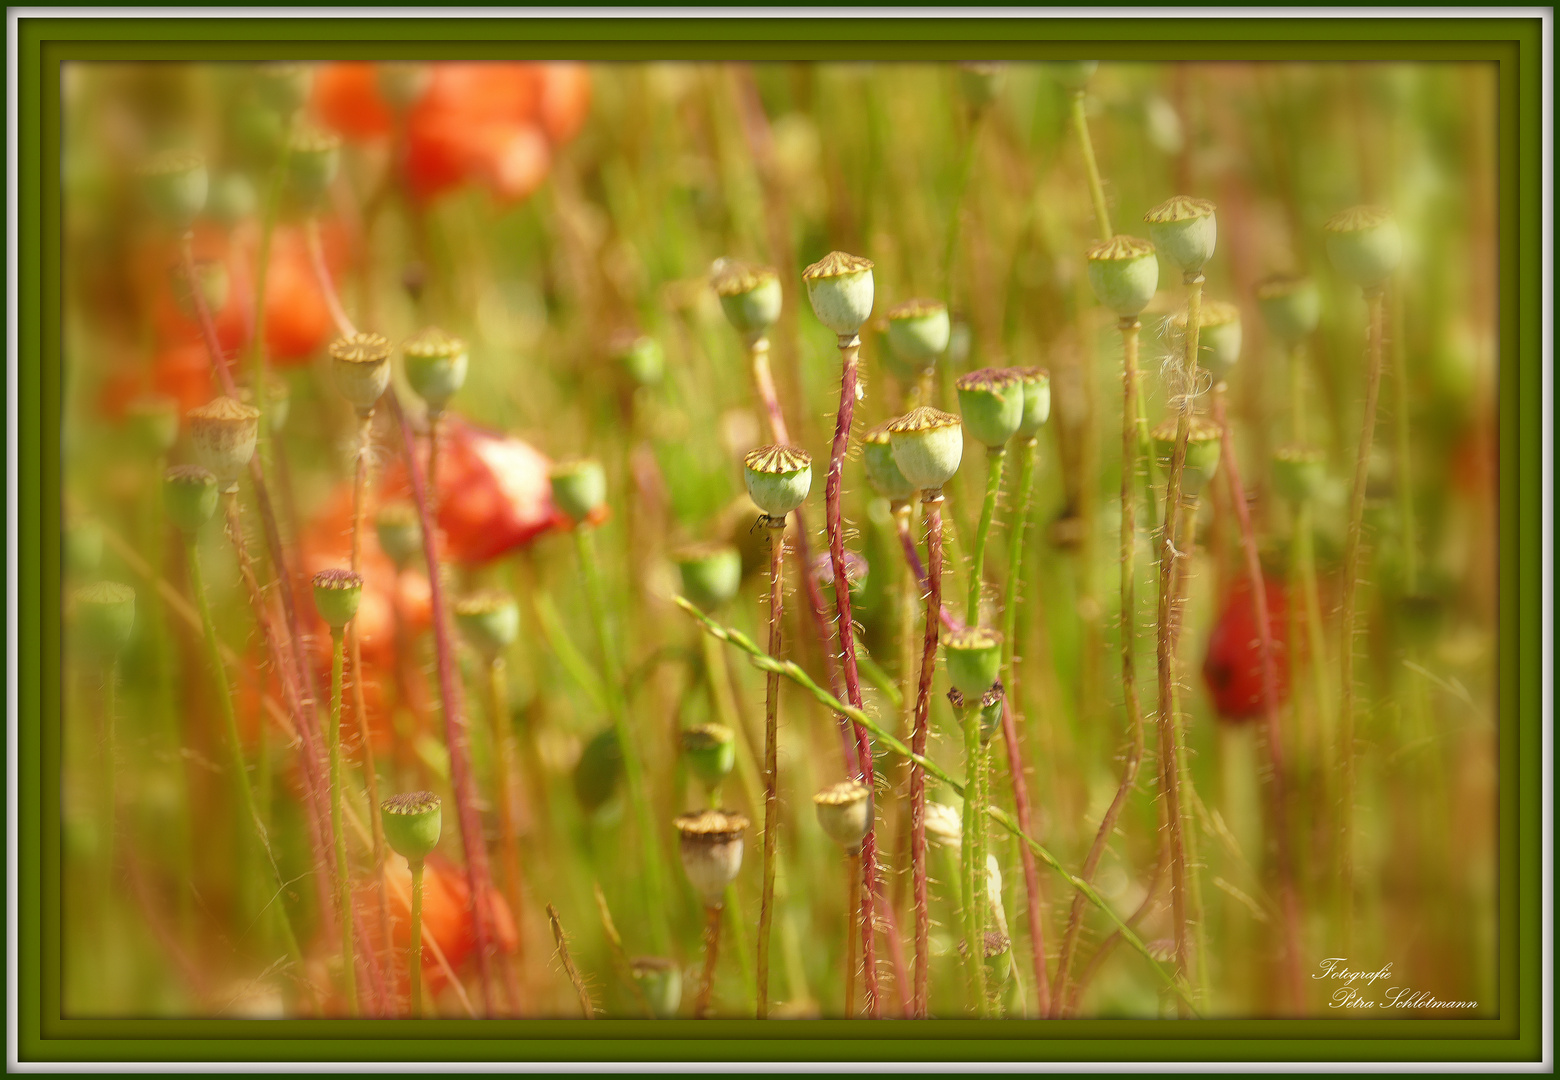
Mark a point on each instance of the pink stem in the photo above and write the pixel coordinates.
(1031, 871)
(923, 702)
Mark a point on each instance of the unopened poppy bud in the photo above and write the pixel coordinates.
(223, 434)
(361, 365)
(640, 356)
(284, 87)
(1124, 274)
(175, 184)
(230, 198)
(839, 287)
(918, 333)
(845, 813)
(778, 478)
(749, 295)
(83, 546)
(710, 842)
(1202, 452)
(998, 957)
(660, 981)
(1036, 382)
(979, 83)
(579, 487)
(928, 445)
(973, 655)
(1364, 244)
(153, 420)
(400, 532)
(1291, 307)
(1218, 337)
(1184, 230)
(312, 163)
(337, 593)
(596, 774)
(711, 751)
(877, 456)
(1299, 472)
(991, 403)
(104, 615)
(211, 277)
(402, 85)
(990, 706)
(435, 367)
(1072, 75)
(489, 621)
(278, 400)
(412, 822)
(711, 574)
(190, 496)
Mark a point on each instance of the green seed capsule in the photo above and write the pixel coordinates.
(979, 83)
(918, 333)
(998, 956)
(641, 357)
(1299, 472)
(711, 751)
(1291, 307)
(711, 574)
(361, 365)
(284, 88)
(597, 772)
(83, 546)
(400, 532)
(973, 656)
(488, 620)
(190, 496)
(660, 981)
(1365, 245)
(779, 478)
(990, 713)
(1218, 337)
(1184, 230)
(877, 456)
(104, 616)
(749, 295)
(579, 487)
(412, 823)
(313, 160)
(435, 367)
(710, 842)
(153, 421)
(1072, 75)
(1123, 274)
(1037, 399)
(845, 813)
(231, 199)
(223, 434)
(1202, 452)
(928, 445)
(839, 287)
(991, 403)
(175, 184)
(336, 596)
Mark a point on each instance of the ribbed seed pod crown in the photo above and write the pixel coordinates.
(845, 812)
(749, 295)
(104, 617)
(1364, 244)
(336, 596)
(313, 159)
(175, 184)
(1299, 472)
(361, 365)
(400, 532)
(489, 620)
(928, 445)
(412, 822)
(877, 457)
(991, 402)
(778, 478)
(711, 751)
(189, 496)
(1184, 230)
(710, 843)
(918, 333)
(1036, 382)
(974, 656)
(435, 366)
(1202, 451)
(1291, 307)
(711, 574)
(1123, 273)
(579, 487)
(1218, 336)
(839, 287)
(223, 434)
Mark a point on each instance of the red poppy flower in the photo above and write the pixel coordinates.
(346, 96)
(1232, 667)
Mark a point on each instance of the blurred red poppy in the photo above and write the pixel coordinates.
(1232, 667)
(346, 96)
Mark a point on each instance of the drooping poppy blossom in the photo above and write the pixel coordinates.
(1232, 666)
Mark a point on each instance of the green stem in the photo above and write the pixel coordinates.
(1405, 457)
(1187, 543)
(1091, 167)
(273, 202)
(415, 949)
(988, 508)
(633, 767)
(966, 168)
(969, 852)
(343, 882)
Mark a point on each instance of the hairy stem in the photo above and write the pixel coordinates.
(343, 878)
(414, 949)
(771, 759)
(712, 918)
(508, 838)
(852, 905)
(995, 456)
(931, 503)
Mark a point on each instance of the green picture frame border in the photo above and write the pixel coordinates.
(1514, 44)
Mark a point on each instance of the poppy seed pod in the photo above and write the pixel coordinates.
(973, 655)
(402, 85)
(711, 750)
(1036, 382)
(839, 287)
(928, 445)
(1364, 244)
(412, 823)
(435, 367)
(336, 596)
(660, 981)
(1072, 75)
(991, 403)
(1202, 452)
(877, 456)
(83, 546)
(399, 531)
(1218, 337)
(278, 400)
(979, 82)
(778, 478)
(1184, 230)
(489, 621)
(918, 333)
(1299, 472)
(711, 848)
(596, 774)
(998, 957)
(230, 198)
(313, 160)
(749, 295)
(153, 420)
(284, 87)
(990, 706)
(189, 496)
(711, 574)
(1123, 274)
(361, 365)
(845, 813)
(641, 356)
(579, 487)
(1291, 307)
(104, 616)
(175, 184)
(223, 434)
